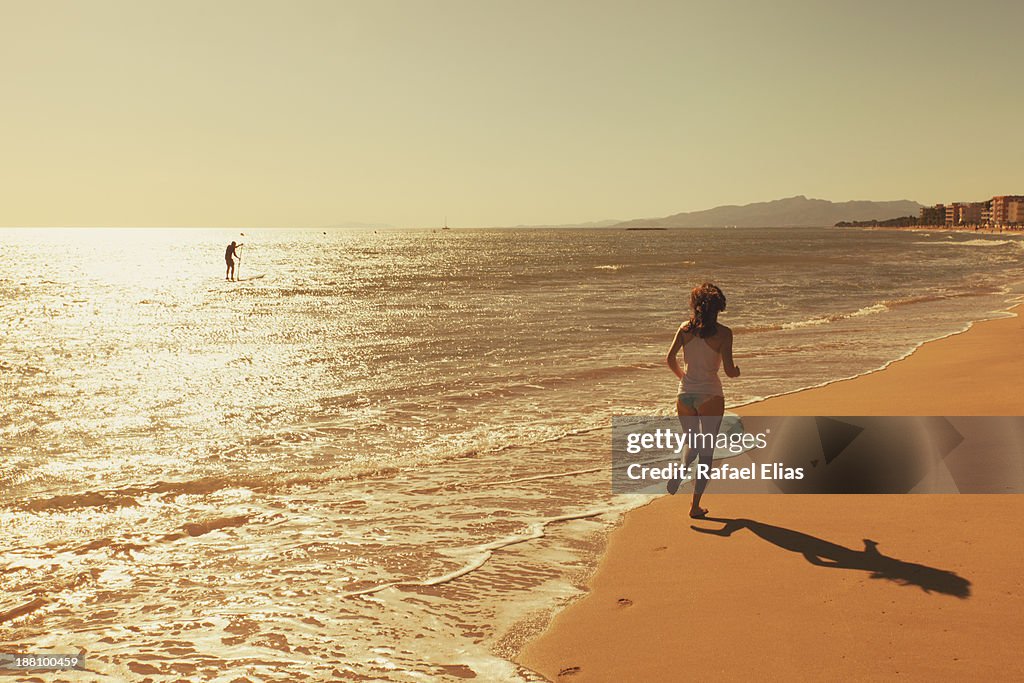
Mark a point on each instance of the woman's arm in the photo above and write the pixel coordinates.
(731, 369)
(677, 344)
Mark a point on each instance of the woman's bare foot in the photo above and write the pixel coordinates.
(698, 512)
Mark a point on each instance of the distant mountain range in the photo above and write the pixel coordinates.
(611, 223)
(796, 212)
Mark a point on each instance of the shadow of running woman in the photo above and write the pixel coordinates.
(822, 553)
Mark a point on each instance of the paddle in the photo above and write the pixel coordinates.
(238, 264)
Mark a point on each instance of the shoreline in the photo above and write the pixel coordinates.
(1013, 304)
(971, 230)
(639, 598)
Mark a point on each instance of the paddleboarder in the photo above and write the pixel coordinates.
(229, 257)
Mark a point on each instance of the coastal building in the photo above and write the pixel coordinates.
(955, 213)
(933, 215)
(1001, 206)
(1015, 212)
(1001, 210)
(972, 213)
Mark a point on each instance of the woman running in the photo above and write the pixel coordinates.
(706, 345)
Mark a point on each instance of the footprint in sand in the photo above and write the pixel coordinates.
(660, 548)
(625, 602)
(569, 671)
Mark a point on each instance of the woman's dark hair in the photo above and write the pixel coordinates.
(706, 301)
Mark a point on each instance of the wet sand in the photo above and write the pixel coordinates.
(820, 587)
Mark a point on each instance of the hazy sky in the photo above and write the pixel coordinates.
(497, 113)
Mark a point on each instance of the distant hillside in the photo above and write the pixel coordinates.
(591, 224)
(791, 212)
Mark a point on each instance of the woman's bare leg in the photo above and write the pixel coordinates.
(713, 409)
(683, 411)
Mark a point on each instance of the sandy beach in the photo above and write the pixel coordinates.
(1010, 231)
(819, 587)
